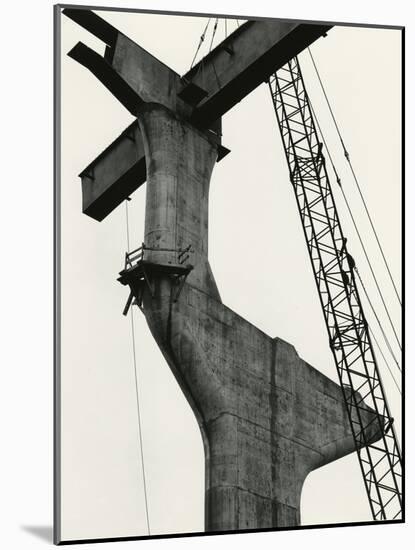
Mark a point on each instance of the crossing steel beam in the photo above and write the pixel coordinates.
(245, 59)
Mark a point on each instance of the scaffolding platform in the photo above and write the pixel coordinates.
(140, 271)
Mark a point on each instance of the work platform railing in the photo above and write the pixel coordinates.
(144, 264)
(137, 256)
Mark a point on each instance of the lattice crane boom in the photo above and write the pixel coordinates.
(333, 267)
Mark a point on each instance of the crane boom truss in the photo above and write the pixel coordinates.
(333, 267)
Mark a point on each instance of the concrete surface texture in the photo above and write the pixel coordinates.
(267, 417)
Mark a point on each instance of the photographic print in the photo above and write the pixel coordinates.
(228, 339)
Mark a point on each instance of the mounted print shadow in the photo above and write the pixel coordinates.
(175, 414)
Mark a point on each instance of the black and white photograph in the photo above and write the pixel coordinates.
(228, 211)
(207, 307)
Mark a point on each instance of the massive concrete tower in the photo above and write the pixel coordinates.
(267, 417)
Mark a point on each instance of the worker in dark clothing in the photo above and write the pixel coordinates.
(343, 248)
(350, 259)
(346, 279)
(351, 264)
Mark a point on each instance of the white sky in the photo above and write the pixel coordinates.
(259, 259)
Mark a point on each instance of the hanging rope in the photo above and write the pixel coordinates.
(356, 228)
(347, 156)
(136, 387)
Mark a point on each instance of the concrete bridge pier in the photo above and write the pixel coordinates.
(267, 417)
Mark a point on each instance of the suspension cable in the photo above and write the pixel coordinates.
(347, 156)
(136, 387)
(356, 229)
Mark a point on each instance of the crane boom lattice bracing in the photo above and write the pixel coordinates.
(333, 269)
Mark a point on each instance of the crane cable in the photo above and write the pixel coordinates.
(210, 49)
(203, 37)
(201, 40)
(213, 34)
(347, 156)
(357, 231)
(377, 319)
(385, 360)
(136, 387)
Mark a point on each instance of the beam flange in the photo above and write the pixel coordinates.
(110, 78)
(259, 49)
(117, 172)
(127, 70)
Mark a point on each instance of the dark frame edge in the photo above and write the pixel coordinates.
(239, 532)
(403, 218)
(224, 15)
(56, 274)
